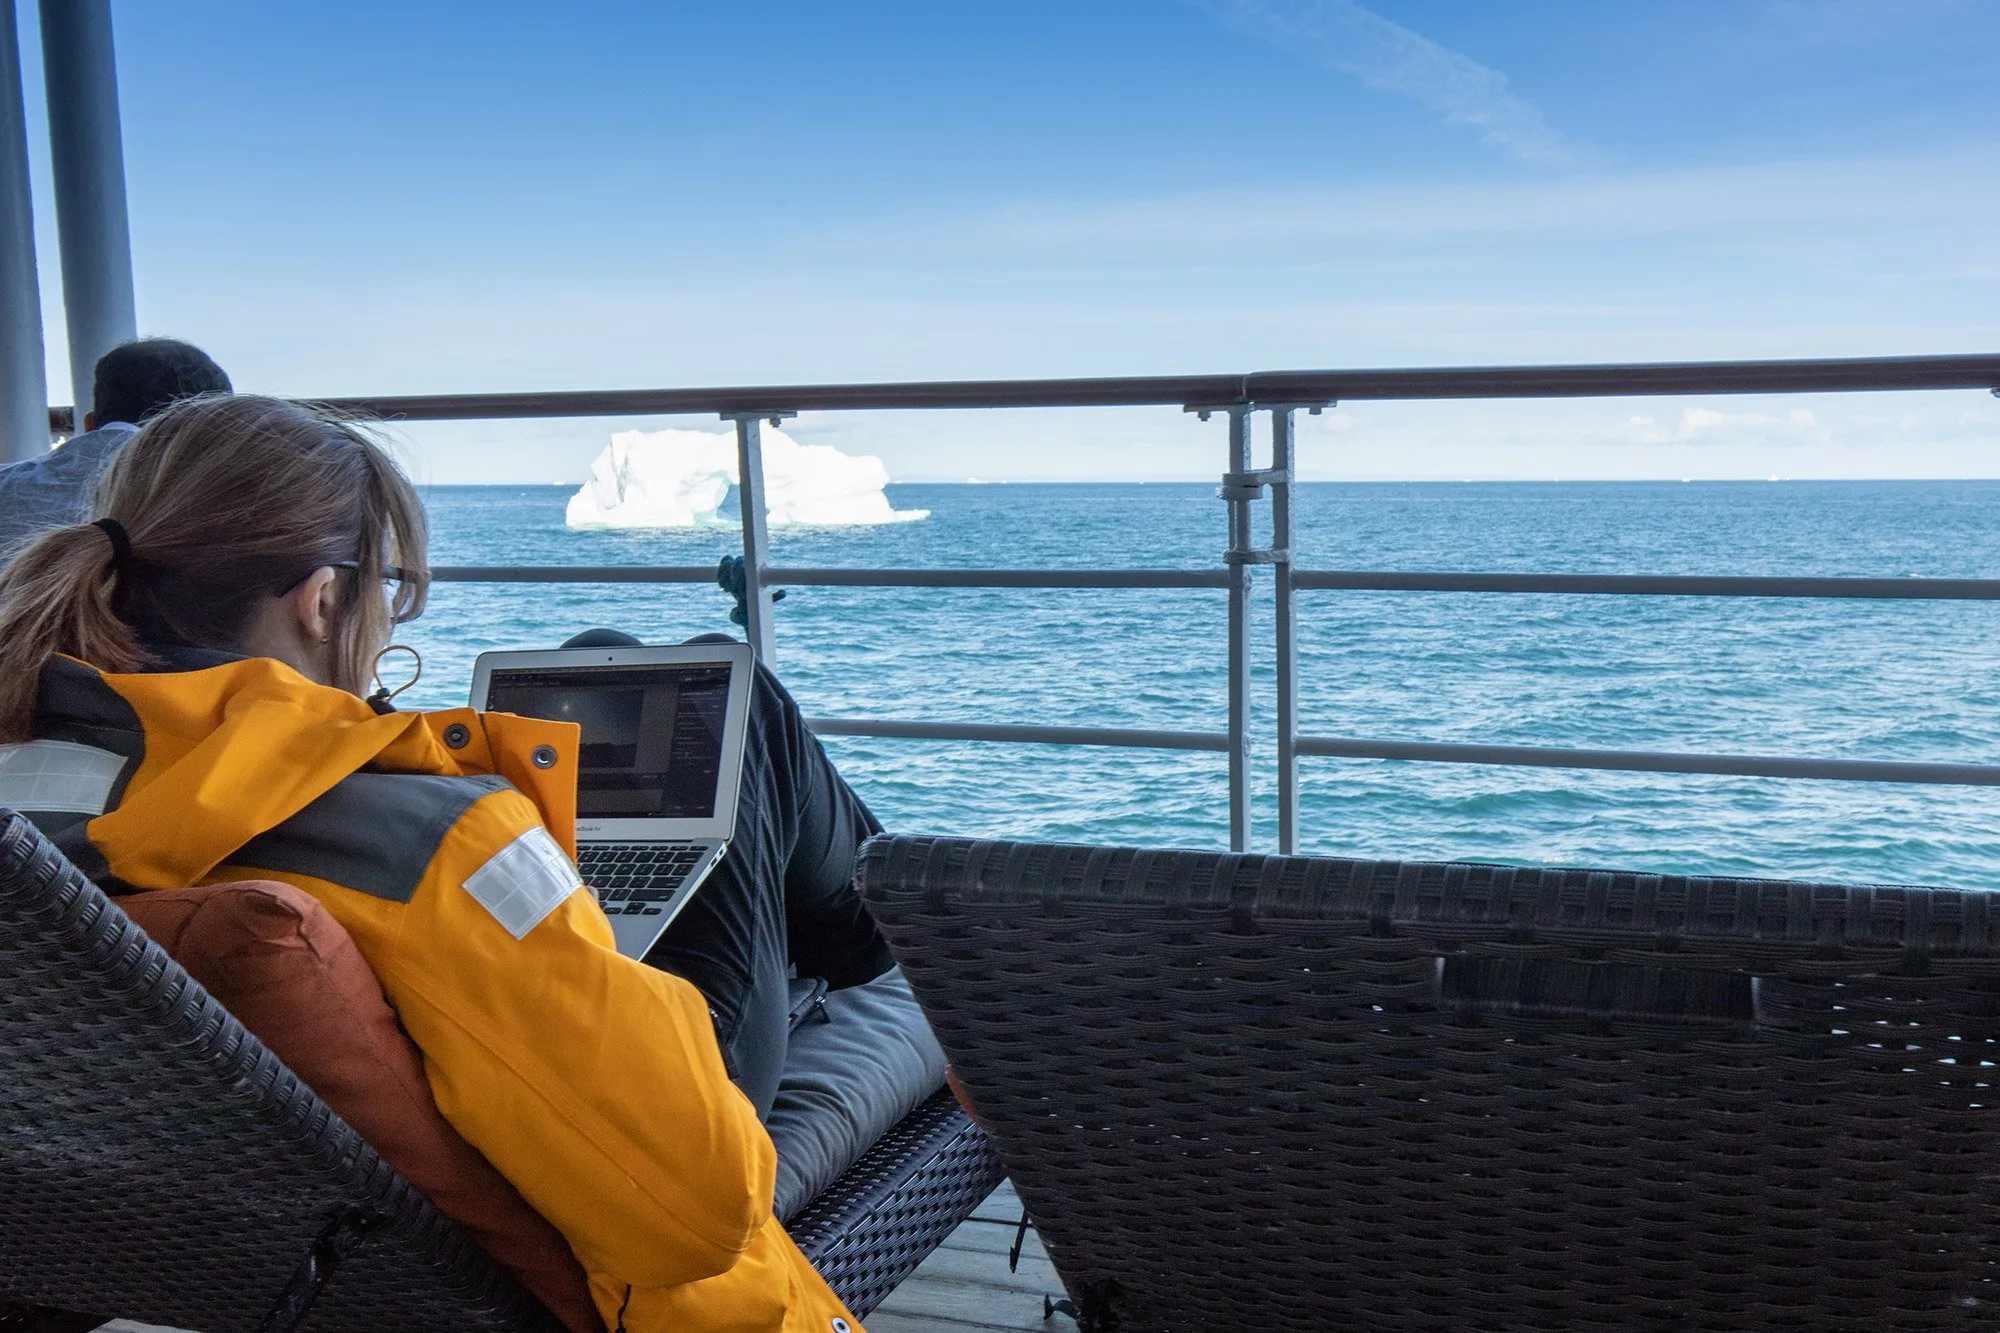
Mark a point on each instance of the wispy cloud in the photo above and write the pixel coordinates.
(1389, 57)
(1811, 204)
(1706, 425)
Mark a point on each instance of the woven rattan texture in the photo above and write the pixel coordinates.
(1302, 1093)
(158, 1164)
(890, 1209)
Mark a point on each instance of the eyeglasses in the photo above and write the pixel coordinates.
(394, 577)
(390, 573)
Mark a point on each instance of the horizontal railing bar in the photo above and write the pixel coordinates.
(1673, 378)
(1646, 761)
(573, 573)
(1628, 585)
(841, 578)
(1649, 585)
(988, 731)
(1000, 578)
(1837, 375)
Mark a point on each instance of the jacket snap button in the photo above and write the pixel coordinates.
(456, 736)
(544, 756)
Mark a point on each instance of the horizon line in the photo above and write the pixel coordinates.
(1210, 479)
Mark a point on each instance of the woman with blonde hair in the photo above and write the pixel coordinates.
(189, 668)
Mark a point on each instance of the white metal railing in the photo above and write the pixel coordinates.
(1238, 398)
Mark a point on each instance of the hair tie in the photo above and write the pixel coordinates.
(121, 541)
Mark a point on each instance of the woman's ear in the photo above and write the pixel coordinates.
(312, 604)
(296, 627)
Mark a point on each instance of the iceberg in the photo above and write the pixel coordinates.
(680, 478)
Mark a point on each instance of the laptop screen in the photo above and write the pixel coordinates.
(652, 735)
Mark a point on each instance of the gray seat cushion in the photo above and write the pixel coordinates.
(847, 1082)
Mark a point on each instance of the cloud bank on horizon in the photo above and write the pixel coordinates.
(1388, 57)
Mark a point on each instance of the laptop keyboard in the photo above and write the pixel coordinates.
(637, 878)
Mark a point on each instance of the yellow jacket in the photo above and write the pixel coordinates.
(444, 843)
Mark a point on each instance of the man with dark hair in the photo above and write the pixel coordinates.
(134, 381)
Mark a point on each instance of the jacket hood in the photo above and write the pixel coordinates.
(230, 751)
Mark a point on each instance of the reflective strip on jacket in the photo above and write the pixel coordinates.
(593, 1082)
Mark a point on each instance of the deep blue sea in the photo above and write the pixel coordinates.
(1854, 679)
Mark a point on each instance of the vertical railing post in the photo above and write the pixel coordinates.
(1286, 617)
(1281, 476)
(1242, 486)
(24, 401)
(1238, 494)
(758, 626)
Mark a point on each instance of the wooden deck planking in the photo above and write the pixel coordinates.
(1002, 1205)
(963, 1287)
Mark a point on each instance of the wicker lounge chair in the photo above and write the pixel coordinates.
(1247, 1092)
(157, 1163)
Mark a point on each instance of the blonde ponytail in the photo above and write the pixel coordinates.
(223, 502)
(55, 597)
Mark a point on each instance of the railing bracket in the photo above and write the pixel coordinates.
(1251, 485)
(755, 597)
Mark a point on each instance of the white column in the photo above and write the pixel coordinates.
(88, 154)
(24, 400)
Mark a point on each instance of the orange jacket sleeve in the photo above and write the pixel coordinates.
(593, 1082)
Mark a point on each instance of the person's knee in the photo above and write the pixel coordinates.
(605, 637)
(601, 637)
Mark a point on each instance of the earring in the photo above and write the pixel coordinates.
(383, 700)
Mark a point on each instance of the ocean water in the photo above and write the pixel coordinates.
(1853, 679)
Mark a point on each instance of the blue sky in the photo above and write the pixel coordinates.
(374, 197)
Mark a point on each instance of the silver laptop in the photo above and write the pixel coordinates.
(661, 761)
